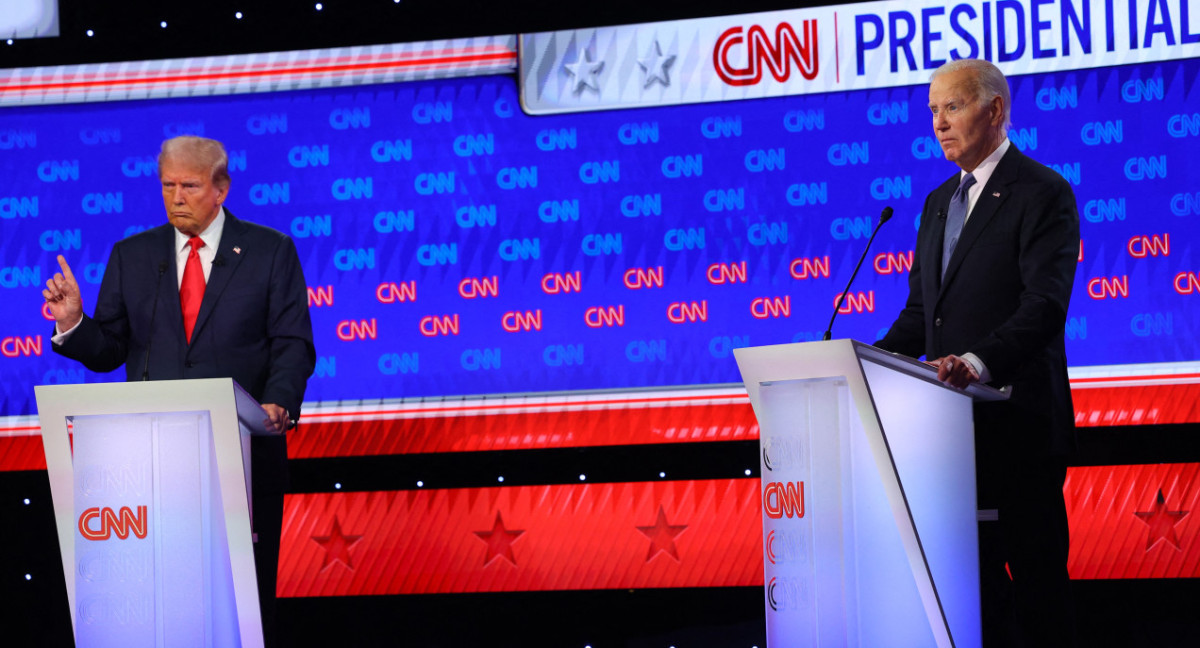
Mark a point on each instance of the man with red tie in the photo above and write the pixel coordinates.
(205, 296)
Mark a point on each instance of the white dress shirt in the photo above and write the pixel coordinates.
(982, 174)
(212, 239)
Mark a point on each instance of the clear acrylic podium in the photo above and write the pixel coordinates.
(150, 482)
(868, 486)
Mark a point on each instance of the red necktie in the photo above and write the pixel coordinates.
(191, 291)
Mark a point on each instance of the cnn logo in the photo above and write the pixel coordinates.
(100, 523)
(784, 499)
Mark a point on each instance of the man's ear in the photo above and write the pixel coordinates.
(996, 111)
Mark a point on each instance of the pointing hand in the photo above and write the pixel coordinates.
(62, 296)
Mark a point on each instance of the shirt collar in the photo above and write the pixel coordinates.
(211, 234)
(984, 171)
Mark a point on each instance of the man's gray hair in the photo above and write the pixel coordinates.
(987, 82)
(199, 152)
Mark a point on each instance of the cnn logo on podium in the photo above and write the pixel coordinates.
(101, 523)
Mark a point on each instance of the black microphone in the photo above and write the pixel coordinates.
(218, 261)
(162, 270)
(883, 218)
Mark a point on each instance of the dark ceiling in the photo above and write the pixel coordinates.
(130, 30)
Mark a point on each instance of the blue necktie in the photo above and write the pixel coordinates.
(955, 219)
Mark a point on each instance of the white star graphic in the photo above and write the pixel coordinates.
(655, 66)
(585, 73)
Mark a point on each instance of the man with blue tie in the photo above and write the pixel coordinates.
(204, 296)
(991, 280)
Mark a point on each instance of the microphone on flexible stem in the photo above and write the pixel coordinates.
(883, 218)
(162, 270)
(218, 261)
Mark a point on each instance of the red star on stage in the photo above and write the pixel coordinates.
(337, 546)
(499, 541)
(1161, 522)
(662, 536)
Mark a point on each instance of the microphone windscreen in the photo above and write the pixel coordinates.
(885, 216)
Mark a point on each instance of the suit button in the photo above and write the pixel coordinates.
(937, 322)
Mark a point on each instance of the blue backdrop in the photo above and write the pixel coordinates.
(454, 245)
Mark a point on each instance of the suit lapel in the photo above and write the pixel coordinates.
(991, 198)
(933, 249)
(168, 286)
(229, 256)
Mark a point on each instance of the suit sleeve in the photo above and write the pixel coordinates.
(101, 342)
(907, 334)
(289, 332)
(1048, 250)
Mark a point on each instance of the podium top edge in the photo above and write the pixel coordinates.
(153, 396)
(851, 350)
(918, 369)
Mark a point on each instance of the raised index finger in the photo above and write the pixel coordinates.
(66, 269)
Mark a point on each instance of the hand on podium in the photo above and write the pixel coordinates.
(62, 296)
(277, 418)
(955, 371)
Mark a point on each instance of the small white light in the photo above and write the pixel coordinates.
(500, 479)
(90, 33)
(420, 484)
(163, 24)
(26, 501)
(238, 15)
(583, 478)
(10, 41)
(747, 472)
(338, 486)
(28, 576)
(662, 474)
(320, 6)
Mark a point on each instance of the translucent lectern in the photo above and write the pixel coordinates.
(151, 483)
(869, 513)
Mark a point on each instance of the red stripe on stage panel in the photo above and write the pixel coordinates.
(552, 427)
(22, 453)
(616, 421)
(1136, 405)
(634, 421)
(1134, 521)
(529, 538)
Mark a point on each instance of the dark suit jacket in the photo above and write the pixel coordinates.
(1005, 293)
(253, 324)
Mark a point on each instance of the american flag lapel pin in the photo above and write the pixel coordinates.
(995, 194)
(238, 250)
